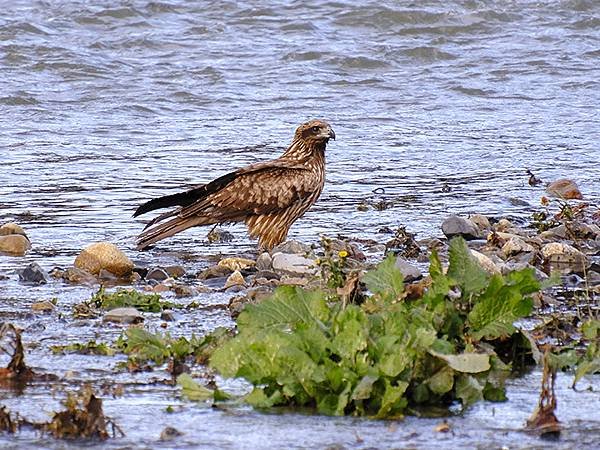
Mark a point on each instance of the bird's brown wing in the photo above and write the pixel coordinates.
(257, 190)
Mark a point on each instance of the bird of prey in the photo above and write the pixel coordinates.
(268, 196)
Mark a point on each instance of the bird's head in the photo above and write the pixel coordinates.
(315, 132)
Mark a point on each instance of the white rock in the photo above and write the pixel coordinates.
(293, 264)
(516, 245)
(486, 262)
(235, 279)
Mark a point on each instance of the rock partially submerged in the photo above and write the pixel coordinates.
(33, 274)
(565, 189)
(104, 255)
(293, 264)
(14, 244)
(123, 315)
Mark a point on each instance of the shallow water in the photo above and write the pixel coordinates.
(104, 106)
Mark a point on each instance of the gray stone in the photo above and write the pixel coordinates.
(214, 272)
(123, 315)
(264, 262)
(167, 315)
(157, 274)
(410, 272)
(293, 247)
(34, 274)
(182, 290)
(78, 276)
(293, 264)
(459, 226)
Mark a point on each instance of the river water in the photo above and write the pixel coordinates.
(438, 108)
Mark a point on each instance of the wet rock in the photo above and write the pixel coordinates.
(43, 306)
(105, 275)
(214, 272)
(481, 222)
(182, 290)
(78, 276)
(167, 315)
(559, 232)
(235, 279)
(160, 288)
(293, 264)
(33, 274)
(565, 189)
(485, 262)
(410, 272)
(104, 255)
(512, 266)
(123, 315)
(11, 228)
(459, 226)
(564, 257)
(157, 274)
(170, 433)
(14, 244)
(503, 226)
(253, 296)
(175, 271)
(351, 249)
(219, 235)
(291, 247)
(234, 264)
(516, 245)
(264, 262)
(268, 274)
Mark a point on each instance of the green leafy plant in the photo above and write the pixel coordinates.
(387, 355)
(128, 298)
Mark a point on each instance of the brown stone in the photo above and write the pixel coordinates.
(104, 255)
(565, 189)
(11, 228)
(14, 244)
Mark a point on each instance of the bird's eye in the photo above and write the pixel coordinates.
(315, 129)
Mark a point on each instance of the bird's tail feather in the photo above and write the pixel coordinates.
(169, 228)
(167, 201)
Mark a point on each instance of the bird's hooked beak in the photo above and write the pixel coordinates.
(330, 133)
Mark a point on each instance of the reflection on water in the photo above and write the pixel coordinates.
(439, 107)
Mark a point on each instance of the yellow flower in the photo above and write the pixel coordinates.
(342, 253)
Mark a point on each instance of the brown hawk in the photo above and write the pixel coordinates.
(268, 196)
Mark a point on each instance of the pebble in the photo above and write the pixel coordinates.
(157, 274)
(167, 315)
(516, 245)
(214, 272)
(43, 306)
(565, 189)
(78, 276)
(104, 255)
(293, 264)
(123, 315)
(235, 279)
(234, 264)
(481, 222)
(11, 228)
(503, 226)
(175, 271)
(292, 247)
(170, 433)
(564, 257)
(182, 290)
(485, 262)
(264, 262)
(459, 226)
(14, 244)
(410, 272)
(33, 274)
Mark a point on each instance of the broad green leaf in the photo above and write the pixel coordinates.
(393, 400)
(385, 280)
(193, 390)
(468, 390)
(287, 306)
(442, 381)
(440, 284)
(563, 360)
(364, 387)
(591, 329)
(464, 268)
(493, 393)
(466, 362)
(500, 305)
(259, 399)
(587, 367)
